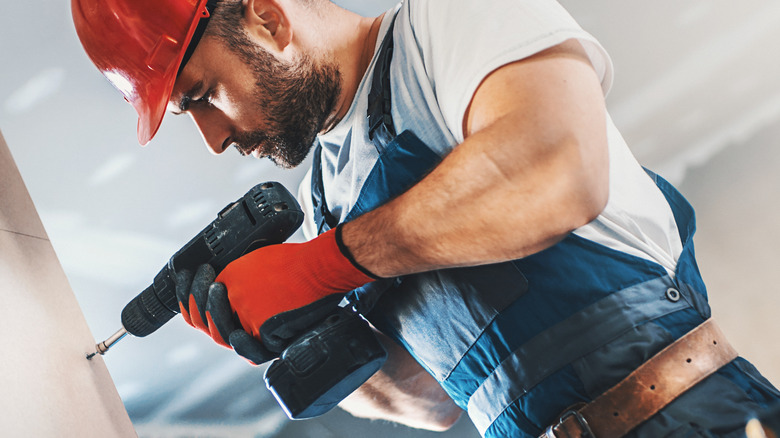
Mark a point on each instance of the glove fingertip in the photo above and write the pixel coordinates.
(185, 314)
(196, 318)
(214, 331)
(199, 290)
(249, 348)
(218, 306)
(207, 271)
(278, 331)
(182, 284)
(218, 295)
(183, 274)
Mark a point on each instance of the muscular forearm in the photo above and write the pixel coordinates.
(403, 392)
(528, 175)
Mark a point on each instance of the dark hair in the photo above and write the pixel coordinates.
(226, 24)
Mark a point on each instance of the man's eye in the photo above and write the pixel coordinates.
(184, 105)
(187, 101)
(206, 98)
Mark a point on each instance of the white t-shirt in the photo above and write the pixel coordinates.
(443, 50)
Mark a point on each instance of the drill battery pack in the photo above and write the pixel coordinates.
(325, 365)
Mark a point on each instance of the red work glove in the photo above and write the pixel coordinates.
(204, 305)
(200, 298)
(279, 278)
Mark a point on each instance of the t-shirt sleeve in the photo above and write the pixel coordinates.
(462, 41)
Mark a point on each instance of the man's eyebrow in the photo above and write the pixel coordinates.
(187, 97)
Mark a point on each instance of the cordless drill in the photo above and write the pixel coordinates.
(318, 369)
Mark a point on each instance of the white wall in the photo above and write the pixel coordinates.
(49, 388)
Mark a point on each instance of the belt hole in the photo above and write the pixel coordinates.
(688, 360)
(616, 414)
(652, 387)
(714, 342)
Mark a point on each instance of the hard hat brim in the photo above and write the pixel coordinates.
(139, 45)
(152, 106)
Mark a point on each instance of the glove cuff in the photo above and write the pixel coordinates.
(348, 255)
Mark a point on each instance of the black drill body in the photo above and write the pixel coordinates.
(317, 370)
(265, 215)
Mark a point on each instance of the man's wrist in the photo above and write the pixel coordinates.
(348, 254)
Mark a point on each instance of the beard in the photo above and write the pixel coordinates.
(295, 99)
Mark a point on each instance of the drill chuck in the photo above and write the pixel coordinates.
(147, 312)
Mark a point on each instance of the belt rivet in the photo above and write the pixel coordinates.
(673, 295)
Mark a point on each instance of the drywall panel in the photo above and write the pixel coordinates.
(18, 212)
(48, 387)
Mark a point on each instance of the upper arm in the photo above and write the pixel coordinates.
(553, 104)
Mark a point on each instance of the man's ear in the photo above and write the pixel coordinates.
(267, 21)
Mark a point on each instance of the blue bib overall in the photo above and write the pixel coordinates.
(518, 342)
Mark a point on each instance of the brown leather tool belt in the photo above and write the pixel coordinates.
(649, 388)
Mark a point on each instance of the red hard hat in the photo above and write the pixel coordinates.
(139, 46)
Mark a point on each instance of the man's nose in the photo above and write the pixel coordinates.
(214, 128)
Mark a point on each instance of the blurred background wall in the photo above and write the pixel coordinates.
(695, 95)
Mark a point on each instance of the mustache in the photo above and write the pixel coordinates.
(275, 148)
(245, 150)
(248, 142)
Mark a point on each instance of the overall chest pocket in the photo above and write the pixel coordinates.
(438, 315)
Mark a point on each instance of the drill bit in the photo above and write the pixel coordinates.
(102, 347)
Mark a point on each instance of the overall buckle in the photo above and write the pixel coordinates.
(582, 423)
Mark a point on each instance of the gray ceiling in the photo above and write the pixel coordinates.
(695, 95)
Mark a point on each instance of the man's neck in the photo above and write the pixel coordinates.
(355, 41)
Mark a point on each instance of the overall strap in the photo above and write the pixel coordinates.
(322, 215)
(380, 119)
(380, 123)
